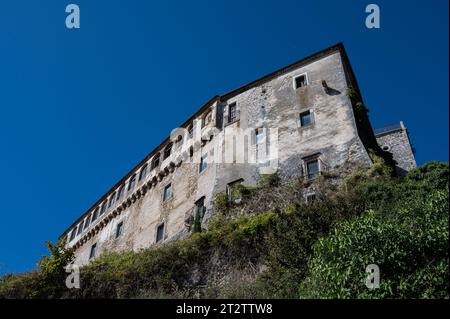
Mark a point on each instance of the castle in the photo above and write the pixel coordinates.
(302, 120)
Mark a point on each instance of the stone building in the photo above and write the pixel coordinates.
(301, 120)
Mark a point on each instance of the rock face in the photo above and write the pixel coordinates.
(297, 121)
(395, 139)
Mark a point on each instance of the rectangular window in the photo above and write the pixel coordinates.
(87, 222)
(191, 130)
(160, 233)
(312, 168)
(80, 228)
(72, 236)
(200, 205)
(260, 135)
(232, 113)
(119, 229)
(300, 81)
(310, 198)
(207, 119)
(120, 192)
(168, 192)
(203, 162)
(103, 209)
(168, 150)
(306, 118)
(234, 196)
(132, 182)
(143, 172)
(155, 161)
(93, 251)
(112, 199)
(95, 214)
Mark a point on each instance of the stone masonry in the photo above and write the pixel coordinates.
(395, 139)
(297, 121)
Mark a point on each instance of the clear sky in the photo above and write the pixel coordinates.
(79, 108)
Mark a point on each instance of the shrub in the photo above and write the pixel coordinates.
(409, 245)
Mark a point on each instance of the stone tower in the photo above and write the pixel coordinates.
(395, 139)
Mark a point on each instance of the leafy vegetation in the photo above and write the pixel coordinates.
(272, 244)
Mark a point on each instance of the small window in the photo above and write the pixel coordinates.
(300, 81)
(312, 168)
(310, 198)
(306, 118)
(95, 214)
(168, 150)
(112, 199)
(200, 206)
(143, 172)
(120, 192)
(167, 192)
(203, 163)
(232, 113)
(119, 229)
(103, 209)
(80, 227)
(260, 135)
(73, 234)
(155, 161)
(132, 182)
(87, 222)
(160, 233)
(191, 152)
(93, 251)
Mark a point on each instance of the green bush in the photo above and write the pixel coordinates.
(409, 245)
(273, 242)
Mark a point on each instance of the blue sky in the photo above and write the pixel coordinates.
(79, 108)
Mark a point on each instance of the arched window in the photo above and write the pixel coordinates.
(132, 182)
(143, 172)
(155, 161)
